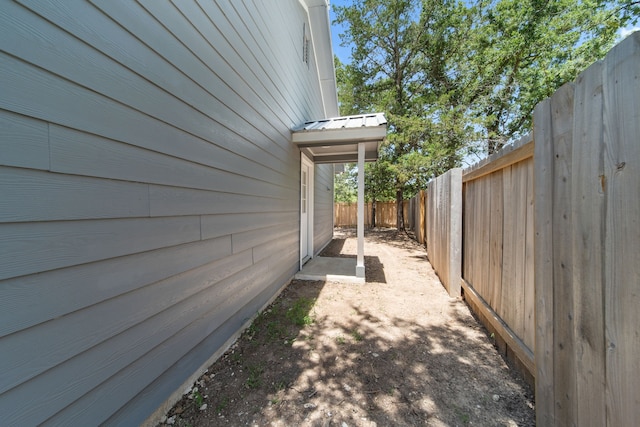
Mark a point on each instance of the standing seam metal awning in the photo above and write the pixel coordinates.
(341, 140)
(336, 140)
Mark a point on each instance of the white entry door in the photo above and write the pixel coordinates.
(306, 210)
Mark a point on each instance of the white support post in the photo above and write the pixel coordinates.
(360, 258)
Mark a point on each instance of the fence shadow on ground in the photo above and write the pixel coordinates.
(346, 370)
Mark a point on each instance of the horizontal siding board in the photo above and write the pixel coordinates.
(285, 242)
(217, 225)
(170, 201)
(69, 57)
(36, 247)
(30, 195)
(248, 239)
(37, 93)
(24, 142)
(74, 152)
(29, 300)
(70, 335)
(88, 370)
(114, 393)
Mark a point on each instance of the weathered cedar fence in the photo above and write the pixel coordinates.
(550, 245)
(345, 214)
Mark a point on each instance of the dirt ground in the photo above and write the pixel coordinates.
(395, 351)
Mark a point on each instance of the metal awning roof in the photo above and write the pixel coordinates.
(336, 140)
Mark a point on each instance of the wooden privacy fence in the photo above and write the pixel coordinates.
(478, 228)
(497, 257)
(442, 223)
(550, 240)
(345, 214)
(587, 248)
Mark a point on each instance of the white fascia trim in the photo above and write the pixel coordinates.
(320, 24)
(337, 136)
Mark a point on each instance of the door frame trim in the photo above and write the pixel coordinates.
(305, 161)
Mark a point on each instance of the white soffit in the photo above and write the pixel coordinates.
(336, 140)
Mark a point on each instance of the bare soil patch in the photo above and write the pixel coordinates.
(396, 351)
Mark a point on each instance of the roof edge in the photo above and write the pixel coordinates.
(320, 25)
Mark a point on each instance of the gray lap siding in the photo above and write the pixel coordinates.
(149, 194)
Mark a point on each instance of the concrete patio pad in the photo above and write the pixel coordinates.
(330, 269)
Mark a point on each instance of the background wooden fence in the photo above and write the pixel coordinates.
(345, 214)
(551, 245)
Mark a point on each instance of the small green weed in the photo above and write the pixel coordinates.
(222, 404)
(255, 376)
(464, 417)
(357, 335)
(275, 330)
(198, 399)
(340, 339)
(300, 312)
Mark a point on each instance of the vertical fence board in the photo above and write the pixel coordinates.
(529, 332)
(507, 297)
(477, 233)
(621, 111)
(494, 297)
(564, 355)
(519, 244)
(485, 214)
(543, 257)
(588, 235)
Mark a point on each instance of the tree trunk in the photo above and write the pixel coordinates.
(399, 209)
(373, 213)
